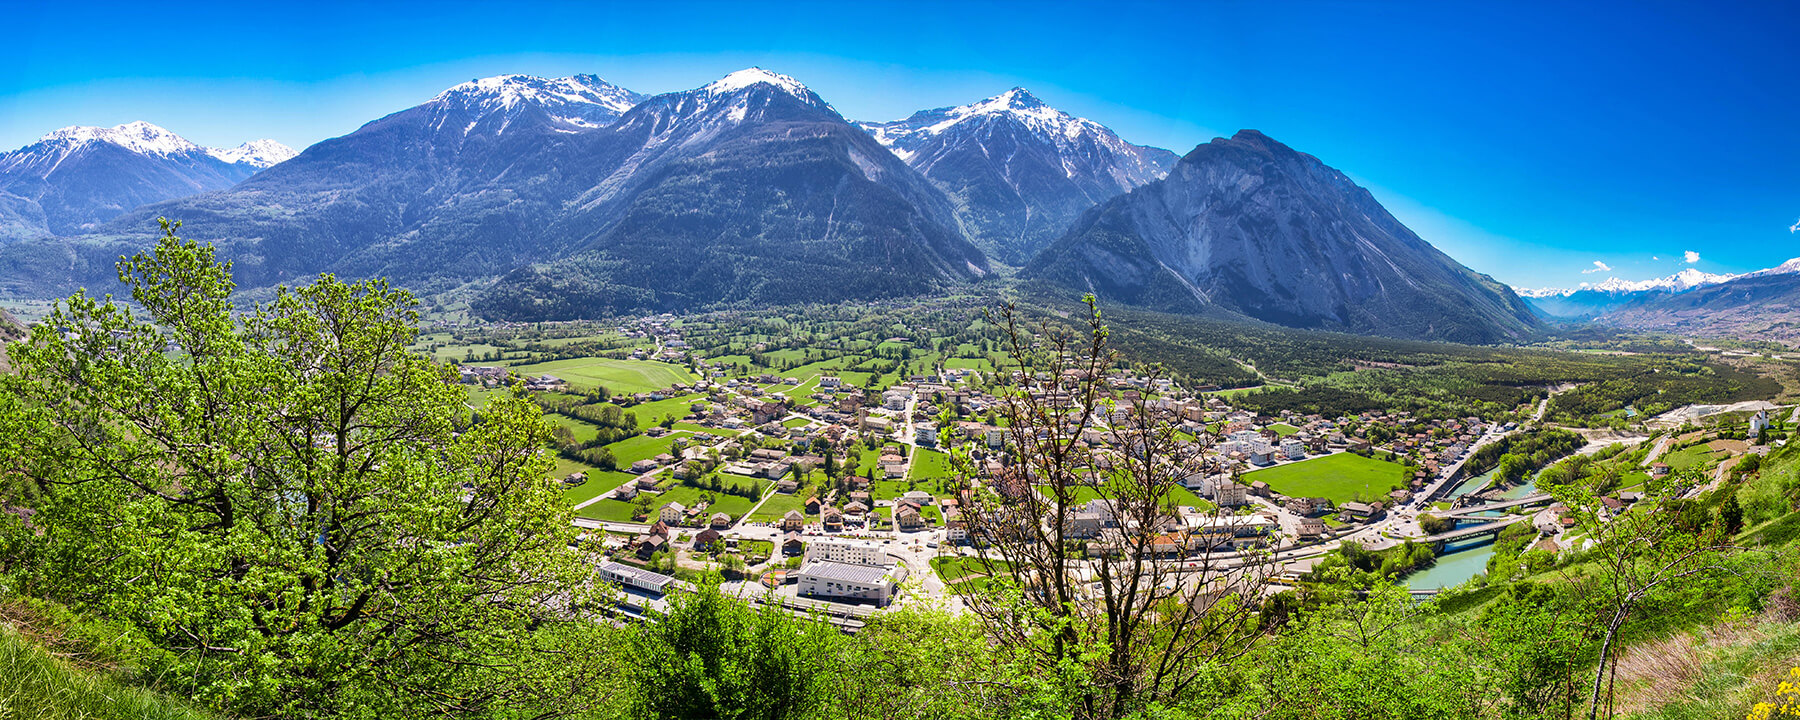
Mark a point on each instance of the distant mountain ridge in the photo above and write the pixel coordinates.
(1019, 170)
(1763, 305)
(1250, 226)
(1591, 301)
(561, 198)
(77, 176)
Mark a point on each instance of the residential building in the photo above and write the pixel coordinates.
(845, 550)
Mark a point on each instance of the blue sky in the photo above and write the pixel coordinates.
(1528, 141)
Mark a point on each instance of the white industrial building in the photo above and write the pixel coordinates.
(836, 580)
(635, 577)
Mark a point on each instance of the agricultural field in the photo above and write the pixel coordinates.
(620, 377)
(1340, 478)
(1689, 458)
(581, 430)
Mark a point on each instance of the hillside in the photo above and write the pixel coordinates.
(1250, 226)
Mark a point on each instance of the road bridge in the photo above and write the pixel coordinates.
(1439, 540)
(1472, 510)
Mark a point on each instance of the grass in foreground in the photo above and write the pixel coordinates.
(33, 684)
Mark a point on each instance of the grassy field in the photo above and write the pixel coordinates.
(1339, 478)
(928, 465)
(1283, 429)
(618, 376)
(643, 447)
(599, 482)
(583, 431)
(1698, 456)
(1179, 495)
(652, 413)
(796, 422)
(891, 489)
(777, 506)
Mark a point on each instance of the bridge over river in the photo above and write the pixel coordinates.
(1441, 539)
(1464, 513)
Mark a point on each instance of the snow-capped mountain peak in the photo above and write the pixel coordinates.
(257, 153)
(757, 76)
(137, 136)
(1791, 267)
(584, 101)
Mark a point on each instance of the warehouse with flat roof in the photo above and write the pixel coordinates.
(846, 581)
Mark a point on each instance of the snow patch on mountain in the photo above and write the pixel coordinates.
(583, 101)
(256, 153)
(1071, 136)
(750, 77)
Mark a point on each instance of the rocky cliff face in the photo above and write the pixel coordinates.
(1248, 225)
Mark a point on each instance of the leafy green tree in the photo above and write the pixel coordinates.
(287, 505)
(711, 656)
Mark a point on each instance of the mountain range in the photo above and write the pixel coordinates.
(1590, 302)
(572, 197)
(78, 176)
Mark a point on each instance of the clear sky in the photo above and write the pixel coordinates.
(1529, 141)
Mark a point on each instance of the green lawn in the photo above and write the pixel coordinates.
(642, 447)
(1698, 456)
(583, 431)
(777, 506)
(609, 510)
(599, 482)
(618, 376)
(1283, 429)
(1339, 478)
(891, 489)
(690, 496)
(955, 567)
(928, 464)
(652, 413)
(796, 422)
(1181, 496)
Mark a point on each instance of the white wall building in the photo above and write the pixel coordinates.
(847, 551)
(825, 579)
(634, 577)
